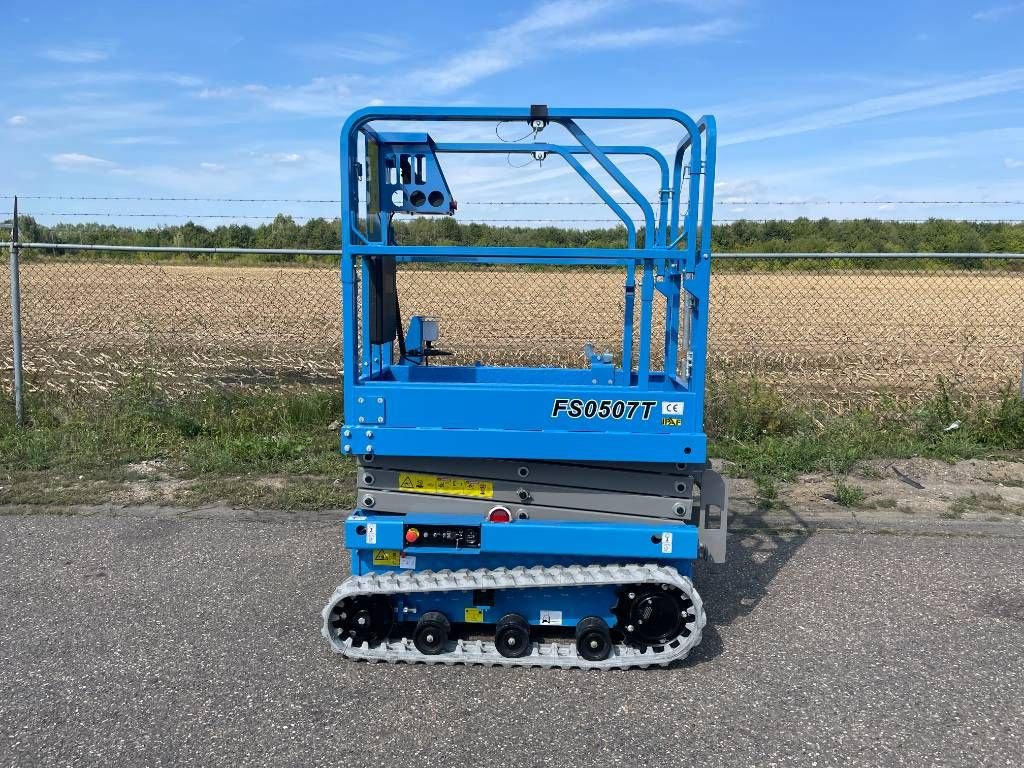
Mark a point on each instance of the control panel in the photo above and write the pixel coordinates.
(447, 536)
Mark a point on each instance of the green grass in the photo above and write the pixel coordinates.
(870, 472)
(980, 502)
(278, 449)
(219, 431)
(768, 437)
(220, 441)
(767, 492)
(849, 495)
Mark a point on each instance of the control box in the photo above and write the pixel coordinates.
(446, 536)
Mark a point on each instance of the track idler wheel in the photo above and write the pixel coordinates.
(512, 636)
(593, 639)
(431, 634)
(362, 618)
(653, 615)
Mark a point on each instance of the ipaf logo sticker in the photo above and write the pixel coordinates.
(671, 421)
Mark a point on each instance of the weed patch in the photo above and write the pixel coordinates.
(78, 450)
(762, 435)
(849, 495)
(982, 502)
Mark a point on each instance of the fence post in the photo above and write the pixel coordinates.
(19, 407)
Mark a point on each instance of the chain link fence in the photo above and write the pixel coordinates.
(6, 335)
(857, 333)
(838, 331)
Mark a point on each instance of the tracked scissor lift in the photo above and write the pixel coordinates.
(525, 516)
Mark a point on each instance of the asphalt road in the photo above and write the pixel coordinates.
(146, 641)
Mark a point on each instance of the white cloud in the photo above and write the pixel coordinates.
(163, 177)
(997, 12)
(549, 28)
(682, 35)
(839, 176)
(68, 79)
(185, 81)
(238, 175)
(108, 117)
(74, 55)
(17, 120)
(323, 96)
(1012, 162)
(78, 161)
(738, 190)
(151, 140)
(857, 161)
(232, 92)
(869, 109)
(285, 157)
(368, 49)
(514, 44)
(705, 5)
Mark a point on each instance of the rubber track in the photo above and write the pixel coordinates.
(552, 654)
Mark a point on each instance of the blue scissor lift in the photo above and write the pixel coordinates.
(537, 516)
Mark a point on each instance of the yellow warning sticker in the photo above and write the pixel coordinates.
(445, 486)
(387, 557)
(474, 616)
(671, 421)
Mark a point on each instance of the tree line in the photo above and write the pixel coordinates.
(774, 236)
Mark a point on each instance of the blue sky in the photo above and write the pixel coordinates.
(816, 101)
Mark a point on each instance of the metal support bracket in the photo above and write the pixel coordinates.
(714, 514)
(371, 410)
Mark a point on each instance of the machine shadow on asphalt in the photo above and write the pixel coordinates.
(734, 590)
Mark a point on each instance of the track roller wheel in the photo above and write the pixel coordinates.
(512, 636)
(431, 634)
(593, 639)
(652, 615)
(363, 619)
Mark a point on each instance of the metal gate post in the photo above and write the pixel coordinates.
(19, 408)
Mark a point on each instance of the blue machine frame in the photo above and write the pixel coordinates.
(524, 543)
(396, 406)
(604, 445)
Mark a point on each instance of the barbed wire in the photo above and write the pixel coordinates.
(475, 220)
(870, 202)
(405, 217)
(325, 201)
(760, 202)
(112, 214)
(176, 199)
(720, 220)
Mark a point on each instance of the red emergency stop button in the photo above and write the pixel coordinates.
(499, 515)
(412, 535)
